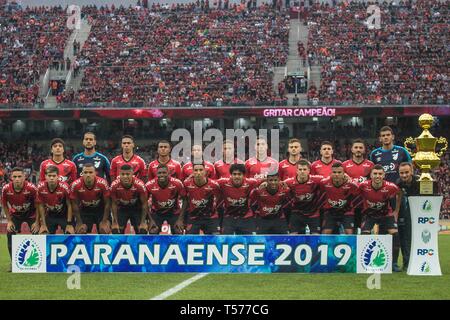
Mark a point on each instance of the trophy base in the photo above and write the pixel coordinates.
(426, 187)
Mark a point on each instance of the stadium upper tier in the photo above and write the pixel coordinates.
(189, 56)
(404, 61)
(30, 40)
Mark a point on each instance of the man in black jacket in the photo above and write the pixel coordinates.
(410, 187)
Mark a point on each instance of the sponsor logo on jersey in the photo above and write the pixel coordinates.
(237, 202)
(271, 210)
(337, 203)
(167, 204)
(200, 203)
(375, 205)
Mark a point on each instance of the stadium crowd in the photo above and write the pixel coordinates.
(403, 62)
(31, 40)
(191, 56)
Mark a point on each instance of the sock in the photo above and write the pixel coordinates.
(395, 247)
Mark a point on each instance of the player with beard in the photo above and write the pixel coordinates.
(174, 167)
(90, 155)
(288, 167)
(338, 193)
(358, 168)
(238, 218)
(305, 194)
(377, 195)
(323, 166)
(165, 195)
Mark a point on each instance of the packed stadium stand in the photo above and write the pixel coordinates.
(31, 40)
(195, 54)
(403, 62)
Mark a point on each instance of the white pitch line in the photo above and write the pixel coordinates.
(179, 287)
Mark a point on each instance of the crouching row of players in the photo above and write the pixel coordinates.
(235, 205)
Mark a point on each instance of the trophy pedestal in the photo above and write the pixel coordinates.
(424, 256)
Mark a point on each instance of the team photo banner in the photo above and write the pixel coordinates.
(202, 253)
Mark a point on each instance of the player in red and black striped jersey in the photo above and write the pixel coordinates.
(174, 167)
(128, 157)
(338, 194)
(66, 168)
(238, 218)
(129, 202)
(91, 202)
(197, 156)
(377, 195)
(358, 168)
(258, 167)
(223, 166)
(53, 203)
(305, 195)
(202, 199)
(270, 203)
(288, 167)
(322, 167)
(18, 202)
(165, 194)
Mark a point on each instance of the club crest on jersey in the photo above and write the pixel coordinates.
(395, 156)
(97, 164)
(337, 203)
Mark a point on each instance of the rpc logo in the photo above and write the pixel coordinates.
(424, 252)
(424, 220)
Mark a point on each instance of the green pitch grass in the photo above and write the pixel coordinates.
(226, 286)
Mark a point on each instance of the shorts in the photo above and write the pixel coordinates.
(298, 223)
(133, 215)
(385, 223)
(358, 217)
(207, 225)
(91, 218)
(331, 220)
(18, 220)
(238, 225)
(55, 220)
(169, 217)
(271, 226)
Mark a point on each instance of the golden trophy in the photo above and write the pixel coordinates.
(425, 158)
